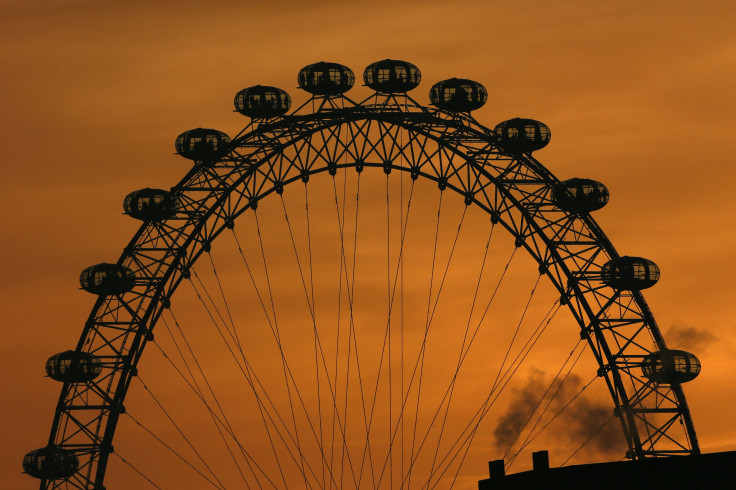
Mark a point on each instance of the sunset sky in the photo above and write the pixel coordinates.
(638, 95)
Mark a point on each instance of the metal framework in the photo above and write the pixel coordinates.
(328, 133)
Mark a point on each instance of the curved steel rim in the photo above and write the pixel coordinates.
(463, 156)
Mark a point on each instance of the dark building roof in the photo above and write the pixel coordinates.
(713, 471)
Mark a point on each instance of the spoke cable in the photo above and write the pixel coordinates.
(559, 412)
(497, 388)
(588, 439)
(176, 426)
(194, 386)
(200, 394)
(547, 404)
(462, 350)
(387, 337)
(247, 373)
(136, 469)
(172, 450)
(317, 343)
(509, 374)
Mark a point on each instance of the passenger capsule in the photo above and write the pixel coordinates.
(202, 144)
(580, 195)
(262, 102)
(630, 273)
(392, 76)
(50, 463)
(107, 279)
(670, 366)
(73, 367)
(326, 78)
(458, 95)
(518, 135)
(150, 204)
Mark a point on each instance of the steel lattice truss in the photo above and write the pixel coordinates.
(393, 133)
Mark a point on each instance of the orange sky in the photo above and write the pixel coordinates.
(638, 95)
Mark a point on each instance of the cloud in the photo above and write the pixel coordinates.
(689, 338)
(575, 425)
(522, 404)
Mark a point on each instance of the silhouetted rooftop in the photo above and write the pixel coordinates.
(714, 471)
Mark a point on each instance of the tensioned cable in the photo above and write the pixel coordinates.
(388, 310)
(172, 450)
(242, 254)
(516, 332)
(392, 295)
(544, 396)
(285, 363)
(198, 393)
(560, 411)
(472, 338)
(247, 377)
(337, 340)
(401, 301)
(547, 405)
(497, 388)
(462, 349)
(510, 372)
(588, 439)
(477, 328)
(427, 327)
(234, 334)
(426, 331)
(277, 334)
(176, 426)
(245, 373)
(268, 319)
(352, 337)
(317, 342)
(136, 470)
(201, 396)
(348, 285)
(434, 309)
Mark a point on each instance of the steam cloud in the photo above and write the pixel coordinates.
(689, 338)
(579, 421)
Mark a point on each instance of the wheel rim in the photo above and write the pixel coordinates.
(454, 151)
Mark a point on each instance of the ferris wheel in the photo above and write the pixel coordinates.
(340, 339)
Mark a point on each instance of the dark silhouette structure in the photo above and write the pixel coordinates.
(262, 102)
(392, 76)
(150, 204)
(491, 169)
(518, 136)
(714, 471)
(458, 95)
(580, 195)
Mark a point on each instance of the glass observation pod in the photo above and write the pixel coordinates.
(392, 76)
(106, 278)
(261, 101)
(580, 195)
(73, 367)
(630, 273)
(670, 366)
(519, 135)
(325, 78)
(458, 95)
(202, 144)
(150, 204)
(50, 463)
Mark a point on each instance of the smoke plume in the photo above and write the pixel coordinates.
(575, 425)
(689, 338)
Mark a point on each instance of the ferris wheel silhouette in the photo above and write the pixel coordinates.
(333, 327)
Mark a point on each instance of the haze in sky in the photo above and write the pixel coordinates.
(638, 95)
